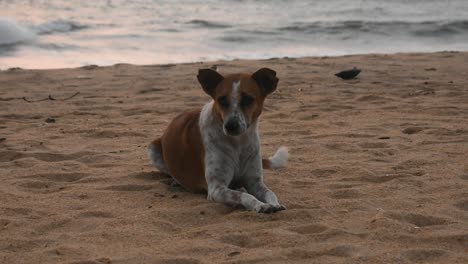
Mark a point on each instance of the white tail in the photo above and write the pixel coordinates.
(280, 159)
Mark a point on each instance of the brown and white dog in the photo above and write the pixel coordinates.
(217, 150)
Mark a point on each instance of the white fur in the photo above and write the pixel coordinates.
(156, 158)
(280, 159)
(235, 112)
(230, 160)
(235, 93)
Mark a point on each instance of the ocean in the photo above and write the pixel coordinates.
(71, 33)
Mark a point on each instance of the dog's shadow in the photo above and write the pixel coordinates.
(167, 180)
(173, 185)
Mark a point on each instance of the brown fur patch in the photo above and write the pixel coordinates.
(247, 86)
(183, 151)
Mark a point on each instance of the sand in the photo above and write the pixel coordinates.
(378, 171)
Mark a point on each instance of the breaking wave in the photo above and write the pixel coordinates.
(12, 33)
(424, 28)
(58, 26)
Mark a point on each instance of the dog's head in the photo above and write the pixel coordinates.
(238, 98)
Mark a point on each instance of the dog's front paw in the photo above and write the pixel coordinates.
(269, 208)
(281, 207)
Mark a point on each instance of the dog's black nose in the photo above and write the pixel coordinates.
(232, 127)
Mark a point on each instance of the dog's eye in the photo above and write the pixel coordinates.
(223, 102)
(246, 100)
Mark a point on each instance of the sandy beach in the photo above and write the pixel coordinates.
(378, 171)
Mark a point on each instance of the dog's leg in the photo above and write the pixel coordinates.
(222, 194)
(156, 156)
(257, 188)
(218, 180)
(253, 182)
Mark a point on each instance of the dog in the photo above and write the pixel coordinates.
(216, 150)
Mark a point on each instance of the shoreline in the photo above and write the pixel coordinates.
(376, 173)
(240, 59)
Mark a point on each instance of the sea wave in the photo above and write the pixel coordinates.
(423, 28)
(71, 33)
(12, 33)
(207, 24)
(58, 26)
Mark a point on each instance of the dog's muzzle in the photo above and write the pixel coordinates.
(233, 128)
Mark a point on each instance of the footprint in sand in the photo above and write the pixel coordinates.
(374, 98)
(90, 262)
(26, 245)
(37, 185)
(307, 117)
(98, 108)
(463, 205)
(412, 130)
(180, 261)
(54, 157)
(342, 186)
(417, 219)
(444, 132)
(96, 214)
(150, 176)
(309, 229)
(7, 156)
(323, 172)
(150, 90)
(20, 117)
(244, 241)
(423, 255)
(341, 251)
(106, 134)
(53, 225)
(59, 177)
(357, 135)
(343, 147)
(128, 188)
(49, 183)
(99, 160)
(374, 178)
(140, 111)
(338, 251)
(19, 211)
(411, 165)
(340, 107)
(4, 223)
(280, 115)
(67, 251)
(345, 194)
(373, 145)
(167, 227)
(301, 183)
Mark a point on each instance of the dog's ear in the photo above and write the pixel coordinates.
(266, 79)
(209, 80)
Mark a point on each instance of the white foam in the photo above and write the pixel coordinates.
(13, 33)
(58, 26)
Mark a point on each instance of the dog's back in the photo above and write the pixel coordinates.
(180, 152)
